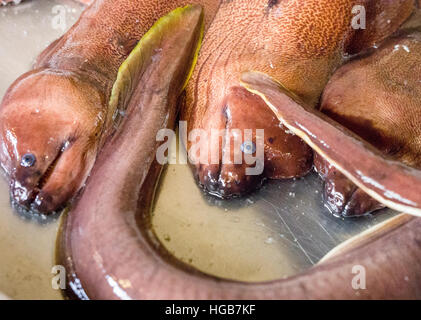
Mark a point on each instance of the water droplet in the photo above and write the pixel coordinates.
(269, 240)
(250, 201)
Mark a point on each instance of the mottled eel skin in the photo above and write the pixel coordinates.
(54, 119)
(300, 43)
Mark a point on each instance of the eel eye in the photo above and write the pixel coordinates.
(28, 160)
(248, 147)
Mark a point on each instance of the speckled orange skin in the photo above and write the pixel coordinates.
(59, 110)
(378, 98)
(299, 43)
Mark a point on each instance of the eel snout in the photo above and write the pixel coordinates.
(382, 107)
(244, 150)
(340, 195)
(48, 143)
(63, 112)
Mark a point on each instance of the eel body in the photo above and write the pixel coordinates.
(54, 119)
(128, 261)
(387, 180)
(110, 251)
(377, 97)
(299, 43)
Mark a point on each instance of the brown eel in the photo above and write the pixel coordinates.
(379, 98)
(55, 118)
(50, 138)
(387, 180)
(110, 251)
(299, 43)
(106, 242)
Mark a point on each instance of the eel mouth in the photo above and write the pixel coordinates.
(273, 154)
(353, 204)
(50, 169)
(226, 180)
(26, 200)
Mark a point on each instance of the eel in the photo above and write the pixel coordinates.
(300, 43)
(109, 249)
(105, 250)
(384, 178)
(73, 118)
(55, 118)
(128, 261)
(377, 97)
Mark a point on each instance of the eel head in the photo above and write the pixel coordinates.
(49, 124)
(249, 149)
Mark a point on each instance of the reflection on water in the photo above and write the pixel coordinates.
(26, 254)
(276, 232)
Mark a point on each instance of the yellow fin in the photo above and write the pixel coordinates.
(142, 54)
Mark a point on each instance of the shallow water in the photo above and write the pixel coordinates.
(279, 231)
(276, 232)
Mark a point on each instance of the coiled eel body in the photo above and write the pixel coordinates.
(111, 252)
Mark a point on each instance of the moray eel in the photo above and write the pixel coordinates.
(55, 118)
(112, 252)
(73, 117)
(299, 43)
(129, 262)
(386, 179)
(378, 98)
